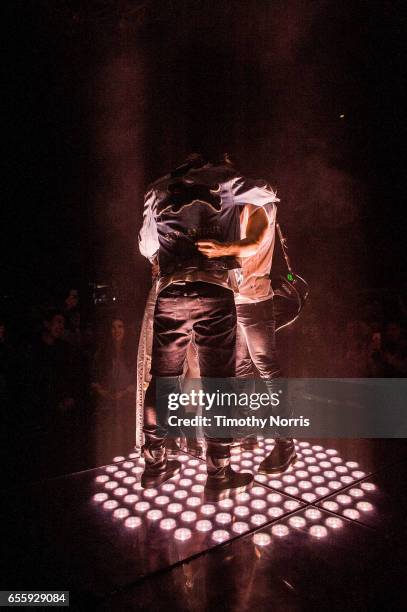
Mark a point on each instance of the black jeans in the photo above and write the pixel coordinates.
(256, 340)
(204, 309)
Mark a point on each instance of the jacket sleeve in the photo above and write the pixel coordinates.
(249, 191)
(148, 236)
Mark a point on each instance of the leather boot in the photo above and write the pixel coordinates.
(195, 448)
(158, 468)
(222, 480)
(249, 442)
(173, 446)
(281, 457)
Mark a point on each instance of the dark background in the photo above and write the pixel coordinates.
(103, 96)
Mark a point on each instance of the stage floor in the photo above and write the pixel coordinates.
(328, 533)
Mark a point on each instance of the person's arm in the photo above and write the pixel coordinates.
(148, 236)
(255, 230)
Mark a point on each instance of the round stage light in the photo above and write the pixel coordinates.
(111, 469)
(291, 504)
(110, 504)
(318, 531)
(189, 472)
(275, 511)
(274, 498)
(130, 499)
(321, 456)
(223, 518)
(313, 514)
(258, 504)
(358, 474)
(193, 502)
(111, 485)
(188, 516)
(307, 451)
(301, 474)
(310, 460)
(120, 491)
(168, 487)
(168, 524)
(330, 474)
(351, 513)
(220, 535)
(128, 464)
(275, 484)
(364, 506)
(355, 492)
(308, 497)
(197, 488)
(261, 478)
(240, 527)
(208, 509)
(314, 469)
(289, 478)
(200, 477)
(142, 506)
(102, 478)
(162, 500)
(121, 513)
(344, 499)
(180, 494)
(280, 530)
(241, 511)
(194, 462)
(118, 459)
(341, 469)
(297, 521)
(129, 480)
(352, 465)
(325, 465)
(150, 493)
(182, 534)
(261, 539)
(226, 503)
(137, 470)
(204, 525)
(120, 474)
(132, 522)
(185, 482)
(291, 490)
(174, 508)
(331, 506)
(258, 491)
(154, 515)
(258, 519)
(336, 460)
(317, 448)
(321, 491)
(335, 485)
(100, 497)
(304, 444)
(334, 522)
(306, 484)
(243, 497)
(368, 486)
(346, 479)
(331, 451)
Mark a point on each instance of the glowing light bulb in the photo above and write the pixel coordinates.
(346, 479)
(180, 494)
(182, 534)
(334, 484)
(197, 488)
(174, 508)
(100, 497)
(258, 519)
(111, 485)
(274, 498)
(204, 525)
(121, 513)
(154, 515)
(331, 451)
(313, 514)
(194, 462)
(358, 474)
(111, 469)
(130, 499)
(321, 456)
(275, 512)
(321, 491)
(291, 490)
(331, 506)
(318, 531)
(129, 480)
(137, 470)
(208, 509)
(220, 535)
(261, 477)
(168, 487)
(364, 506)
(306, 484)
(325, 465)
(162, 500)
(193, 502)
(223, 518)
(308, 497)
(317, 448)
(240, 527)
(200, 477)
(241, 511)
(301, 474)
(352, 464)
(314, 469)
(185, 482)
(280, 530)
(368, 486)
(189, 472)
(110, 504)
(356, 492)
(150, 493)
(102, 478)
(225, 503)
(351, 513)
(132, 522)
(168, 524)
(188, 516)
(243, 497)
(128, 464)
(118, 459)
(344, 499)
(291, 504)
(334, 522)
(142, 506)
(297, 521)
(336, 460)
(310, 460)
(288, 478)
(261, 539)
(275, 484)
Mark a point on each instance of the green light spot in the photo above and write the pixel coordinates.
(290, 276)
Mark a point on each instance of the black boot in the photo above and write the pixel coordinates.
(249, 442)
(222, 481)
(157, 467)
(281, 457)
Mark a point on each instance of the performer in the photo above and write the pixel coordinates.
(256, 345)
(199, 200)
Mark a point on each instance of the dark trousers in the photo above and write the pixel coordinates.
(256, 340)
(208, 312)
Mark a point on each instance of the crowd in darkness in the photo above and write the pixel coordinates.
(65, 365)
(71, 364)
